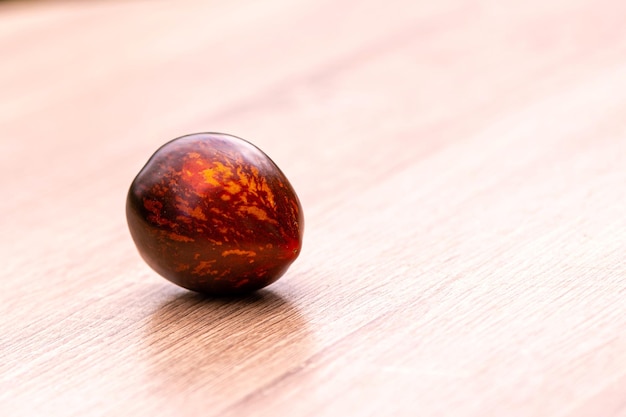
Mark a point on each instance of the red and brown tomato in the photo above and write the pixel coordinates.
(214, 214)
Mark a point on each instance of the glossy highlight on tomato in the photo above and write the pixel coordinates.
(212, 213)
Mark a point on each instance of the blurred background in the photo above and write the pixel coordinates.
(114, 79)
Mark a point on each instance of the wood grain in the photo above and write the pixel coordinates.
(461, 165)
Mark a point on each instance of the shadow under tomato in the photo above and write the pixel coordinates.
(198, 344)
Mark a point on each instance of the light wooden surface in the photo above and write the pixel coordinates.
(461, 164)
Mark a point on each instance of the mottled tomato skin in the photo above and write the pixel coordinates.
(214, 214)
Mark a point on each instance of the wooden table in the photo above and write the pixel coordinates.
(461, 164)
